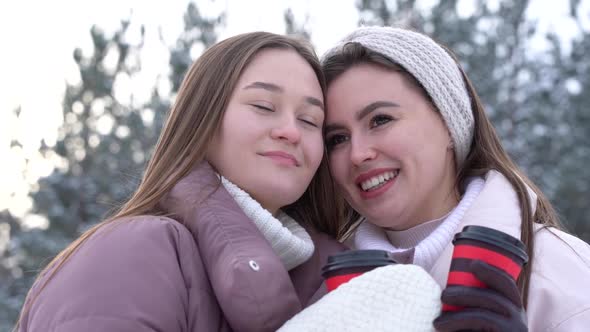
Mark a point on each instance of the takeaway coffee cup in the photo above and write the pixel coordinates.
(349, 264)
(486, 244)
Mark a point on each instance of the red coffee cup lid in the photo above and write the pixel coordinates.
(495, 238)
(357, 258)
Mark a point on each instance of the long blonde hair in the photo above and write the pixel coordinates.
(193, 121)
(486, 152)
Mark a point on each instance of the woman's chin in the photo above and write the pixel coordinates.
(276, 199)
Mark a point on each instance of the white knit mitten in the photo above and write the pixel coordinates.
(391, 298)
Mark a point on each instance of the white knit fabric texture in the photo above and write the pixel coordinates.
(391, 298)
(369, 236)
(288, 239)
(432, 66)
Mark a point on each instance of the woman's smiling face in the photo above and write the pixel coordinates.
(389, 149)
(270, 142)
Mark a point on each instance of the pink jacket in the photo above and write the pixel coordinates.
(559, 297)
(151, 273)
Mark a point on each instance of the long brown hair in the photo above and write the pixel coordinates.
(193, 121)
(486, 152)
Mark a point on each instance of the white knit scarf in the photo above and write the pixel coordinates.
(288, 239)
(369, 236)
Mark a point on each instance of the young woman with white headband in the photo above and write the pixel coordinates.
(416, 157)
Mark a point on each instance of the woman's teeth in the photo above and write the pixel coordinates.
(378, 181)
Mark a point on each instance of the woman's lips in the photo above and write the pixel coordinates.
(383, 179)
(281, 157)
(376, 192)
(372, 173)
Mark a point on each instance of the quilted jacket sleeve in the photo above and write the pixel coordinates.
(126, 277)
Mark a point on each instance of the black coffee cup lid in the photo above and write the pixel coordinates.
(494, 237)
(357, 258)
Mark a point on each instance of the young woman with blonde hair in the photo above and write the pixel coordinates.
(227, 228)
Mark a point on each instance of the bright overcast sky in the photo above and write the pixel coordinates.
(38, 38)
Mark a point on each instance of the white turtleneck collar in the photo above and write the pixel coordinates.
(410, 238)
(288, 239)
(424, 243)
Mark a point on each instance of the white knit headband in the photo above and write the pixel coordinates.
(432, 66)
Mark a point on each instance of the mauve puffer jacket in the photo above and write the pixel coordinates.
(208, 269)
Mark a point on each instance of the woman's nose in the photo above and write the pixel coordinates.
(287, 130)
(361, 151)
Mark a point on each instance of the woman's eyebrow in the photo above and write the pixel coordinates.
(264, 85)
(333, 127)
(373, 106)
(315, 102)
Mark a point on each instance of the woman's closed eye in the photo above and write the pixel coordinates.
(262, 107)
(379, 120)
(309, 122)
